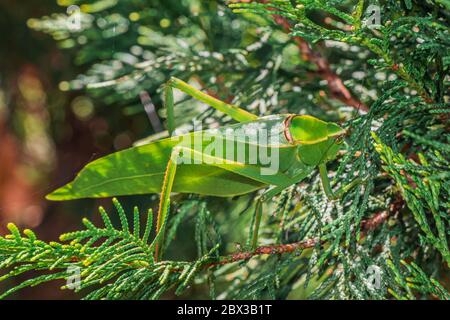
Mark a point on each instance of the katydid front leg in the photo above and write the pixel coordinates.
(233, 111)
(331, 195)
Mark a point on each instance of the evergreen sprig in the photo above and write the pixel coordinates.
(120, 260)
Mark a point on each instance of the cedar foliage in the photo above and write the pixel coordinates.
(387, 85)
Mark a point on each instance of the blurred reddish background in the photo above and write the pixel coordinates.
(43, 141)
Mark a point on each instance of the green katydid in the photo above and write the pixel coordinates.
(235, 166)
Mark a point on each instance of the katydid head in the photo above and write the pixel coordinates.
(318, 141)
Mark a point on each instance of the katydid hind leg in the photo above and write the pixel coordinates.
(164, 204)
(233, 111)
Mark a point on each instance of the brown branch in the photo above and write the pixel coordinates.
(337, 88)
(373, 222)
(274, 249)
(335, 84)
(379, 218)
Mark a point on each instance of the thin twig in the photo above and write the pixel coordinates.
(273, 249)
